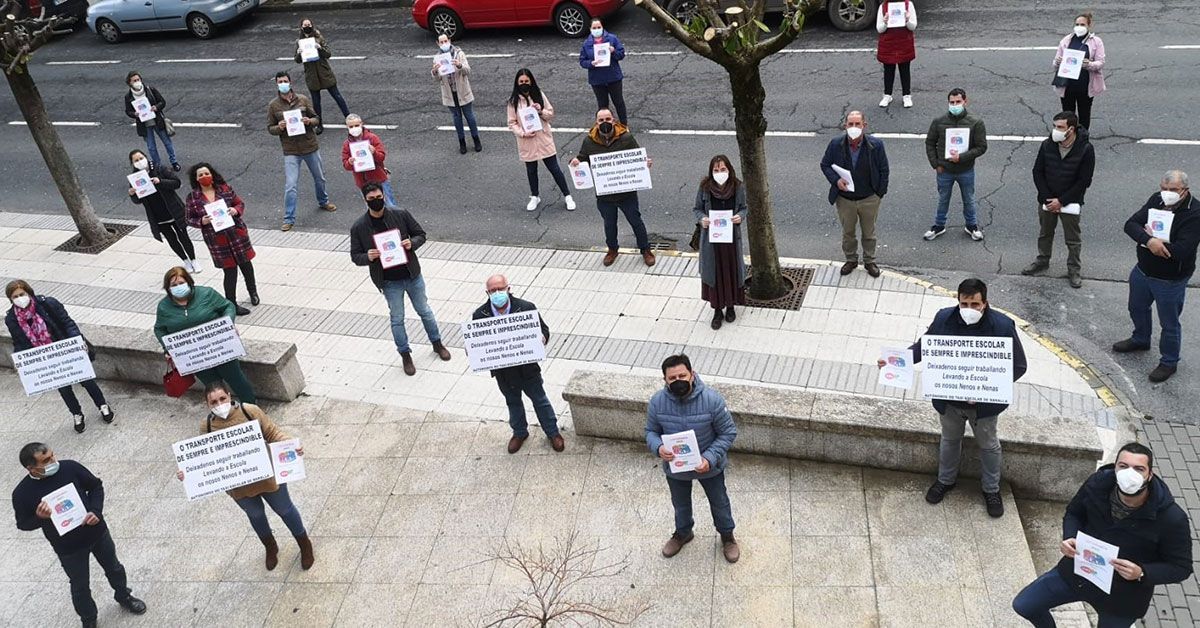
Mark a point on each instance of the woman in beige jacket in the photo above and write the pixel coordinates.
(454, 77)
(529, 116)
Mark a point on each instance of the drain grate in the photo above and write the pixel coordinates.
(799, 278)
(659, 242)
(117, 229)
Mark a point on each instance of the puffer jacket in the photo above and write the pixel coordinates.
(704, 411)
(1065, 178)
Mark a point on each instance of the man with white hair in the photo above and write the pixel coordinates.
(357, 132)
(1166, 259)
(857, 198)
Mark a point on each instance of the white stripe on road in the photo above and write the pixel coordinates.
(482, 56)
(195, 60)
(373, 127)
(1163, 142)
(504, 129)
(207, 125)
(1186, 47)
(334, 58)
(827, 50)
(107, 62)
(23, 123)
(900, 136)
(1001, 49)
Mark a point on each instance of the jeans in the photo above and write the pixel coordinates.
(93, 391)
(78, 569)
(281, 503)
(231, 373)
(152, 146)
(954, 425)
(531, 171)
(1050, 590)
(966, 187)
(858, 214)
(469, 113)
(1072, 235)
(616, 92)
(337, 96)
(291, 175)
(608, 211)
(1168, 297)
(889, 78)
(718, 502)
(512, 386)
(393, 291)
(386, 187)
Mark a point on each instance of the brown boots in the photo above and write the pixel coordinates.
(441, 351)
(306, 552)
(272, 551)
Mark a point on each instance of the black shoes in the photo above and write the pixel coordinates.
(254, 300)
(462, 147)
(717, 319)
(80, 423)
(848, 268)
(241, 311)
(133, 605)
(1128, 346)
(176, 167)
(478, 146)
(107, 414)
(995, 505)
(1034, 268)
(936, 492)
(1162, 373)
(730, 315)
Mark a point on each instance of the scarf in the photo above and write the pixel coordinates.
(618, 129)
(32, 324)
(723, 192)
(136, 93)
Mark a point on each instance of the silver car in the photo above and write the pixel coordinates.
(112, 19)
(846, 15)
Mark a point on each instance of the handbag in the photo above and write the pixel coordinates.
(177, 385)
(695, 241)
(169, 126)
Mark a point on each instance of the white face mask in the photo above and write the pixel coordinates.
(1169, 197)
(970, 316)
(136, 85)
(1080, 31)
(1130, 481)
(720, 177)
(141, 164)
(597, 32)
(22, 301)
(222, 409)
(854, 132)
(1058, 135)
(355, 131)
(444, 47)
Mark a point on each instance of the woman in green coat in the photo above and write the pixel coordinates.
(318, 75)
(188, 305)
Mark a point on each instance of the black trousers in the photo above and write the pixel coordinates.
(611, 90)
(889, 78)
(231, 275)
(531, 171)
(1081, 104)
(176, 237)
(78, 569)
(93, 390)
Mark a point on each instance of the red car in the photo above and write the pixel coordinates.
(450, 17)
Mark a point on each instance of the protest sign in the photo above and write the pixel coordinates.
(308, 49)
(222, 460)
(141, 184)
(390, 245)
(896, 17)
(204, 346)
(503, 341)
(531, 120)
(1072, 64)
(620, 171)
(720, 226)
(67, 511)
(844, 175)
(218, 214)
(445, 63)
(52, 366)
(1093, 560)
(897, 370)
(602, 53)
(294, 119)
(967, 368)
(685, 449)
(141, 105)
(1159, 222)
(581, 176)
(289, 464)
(360, 152)
(957, 141)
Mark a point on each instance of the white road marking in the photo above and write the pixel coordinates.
(900, 136)
(207, 125)
(106, 62)
(504, 129)
(476, 56)
(23, 123)
(826, 50)
(1163, 142)
(1001, 49)
(1182, 47)
(373, 127)
(333, 58)
(195, 60)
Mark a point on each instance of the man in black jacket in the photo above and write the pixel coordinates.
(74, 548)
(396, 281)
(1062, 173)
(864, 157)
(523, 378)
(1165, 263)
(1127, 505)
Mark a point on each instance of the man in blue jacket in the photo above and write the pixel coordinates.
(864, 158)
(687, 404)
(1127, 505)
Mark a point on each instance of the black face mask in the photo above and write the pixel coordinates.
(375, 204)
(307, 30)
(525, 89)
(606, 128)
(680, 387)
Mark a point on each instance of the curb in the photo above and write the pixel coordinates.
(288, 6)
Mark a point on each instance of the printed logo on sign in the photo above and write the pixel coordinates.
(678, 463)
(896, 361)
(719, 223)
(389, 246)
(957, 140)
(284, 473)
(1094, 558)
(890, 376)
(63, 506)
(287, 455)
(360, 153)
(1087, 570)
(1157, 225)
(65, 523)
(680, 448)
(1072, 60)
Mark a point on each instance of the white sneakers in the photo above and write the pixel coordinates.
(975, 232)
(908, 102)
(533, 203)
(887, 100)
(570, 203)
(192, 266)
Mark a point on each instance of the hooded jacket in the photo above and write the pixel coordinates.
(594, 144)
(1065, 178)
(702, 410)
(318, 75)
(1156, 537)
(935, 142)
(1185, 236)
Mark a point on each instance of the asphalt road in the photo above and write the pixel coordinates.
(481, 197)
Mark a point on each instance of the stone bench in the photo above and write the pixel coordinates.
(134, 355)
(1044, 457)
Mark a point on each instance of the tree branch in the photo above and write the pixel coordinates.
(675, 29)
(788, 32)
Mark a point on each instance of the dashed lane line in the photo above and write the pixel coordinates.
(94, 62)
(333, 58)
(1000, 49)
(226, 60)
(68, 123)
(1180, 47)
(504, 55)
(1168, 142)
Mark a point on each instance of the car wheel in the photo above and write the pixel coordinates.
(108, 31)
(684, 11)
(446, 22)
(200, 26)
(571, 20)
(852, 15)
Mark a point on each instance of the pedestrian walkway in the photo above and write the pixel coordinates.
(1176, 449)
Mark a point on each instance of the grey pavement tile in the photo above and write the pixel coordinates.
(927, 606)
(448, 605)
(159, 560)
(306, 604)
(249, 563)
(753, 607)
(12, 598)
(345, 412)
(765, 561)
(551, 476)
(337, 558)
(367, 476)
(491, 474)
(897, 558)
(542, 517)
(828, 514)
(626, 472)
(604, 514)
(832, 561)
(813, 476)
(747, 472)
(349, 515)
(846, 607)
(424, 476)
(896, 513)
(413, 515)
(328, 441)
(757, 513)
(239, 604)
(366, 604)
(443, 439)
(394, 559)
(477, 515)
(460, 560)
(168, 603)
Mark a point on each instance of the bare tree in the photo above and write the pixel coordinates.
(734, 43)
(19, 37)
(552, 578)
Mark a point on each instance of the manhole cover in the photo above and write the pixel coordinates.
(118, 230)
(799, 278)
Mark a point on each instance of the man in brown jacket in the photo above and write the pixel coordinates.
(300, 145)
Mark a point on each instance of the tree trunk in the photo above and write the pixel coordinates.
(748, 97)
(92, 232)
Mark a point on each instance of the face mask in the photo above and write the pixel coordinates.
(956, 110)
(1169, 197)
(205, 180)
(525, 89)
(375, 204)
(606, 128)
(141, 164)
(307, 30)
(597, 32)
(720, 177)
(21, 301)
(285, 88)
(854, 132)
(1058, 135)
(50, 469)
(970, 316)
(136, 85)
(1080, 31)
(1130, 481)
(222, 410)
(181, 291)
(680, 387)
(355, 131)
(499, 299)
(444, 47)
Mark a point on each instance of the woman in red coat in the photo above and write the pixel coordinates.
(230, 247)
(897, 47)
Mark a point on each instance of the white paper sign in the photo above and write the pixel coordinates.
(957, 141)
(503, 341)
(141, 184)
(897, 370)
(1072, 64)
(308, 49)
(720, 226)
(1069, 208)
(445, 63)
(1093, 560)
(52, 366)
(620, 171)
(1159, 223)
(295, 122)
(222, 460)
(602, 53)
(686, 450)
(289, 464)
(219, 216)
(360, 152)
(844, 175)
(895, 14)
(581, 176)
(67, 511)
(531, 120)
(141, 105)
(391, 248)
(204, 346)
(967, 368)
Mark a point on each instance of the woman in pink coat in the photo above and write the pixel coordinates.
(1077, 94)
(529, 109)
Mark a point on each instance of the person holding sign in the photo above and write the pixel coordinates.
(529, 115)
(456, 92)
(1062, 173)
(856, 166)
(164, 210)
(148, 126)
(359, 136)
(396, 281)
(1127, 505)
(45, 475)
(687, 404)
(955, 140)
(524, 378)
(226, 411)
(230, 248)
(1167, 231)
(605, 77)
(297, 149)
(722, 264)
(318, 74)
(36, 321)
(972, 317)
(1077, 93)
(895, 23)
(188, 305)
(609, 136)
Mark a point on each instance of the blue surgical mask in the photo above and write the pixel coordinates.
(285, 88)
(499, 299)
(444, 47)
(50, 469)
(597, 32)
(956, 110)
(181, 291)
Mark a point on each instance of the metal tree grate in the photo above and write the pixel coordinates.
(799, 278)
(117, 229)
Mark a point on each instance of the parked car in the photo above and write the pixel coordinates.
(846, 15)
(451, 17)
(65, 8)
(112, 19)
